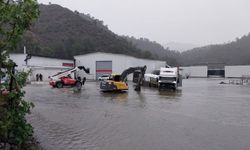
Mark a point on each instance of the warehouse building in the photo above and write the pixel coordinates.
(107, 63)
(237, 71)
(205, 70)
(40, 65)
(195, 71)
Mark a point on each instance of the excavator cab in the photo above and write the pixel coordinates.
(114, 83)
(116, 77)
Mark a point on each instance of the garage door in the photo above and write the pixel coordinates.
(103, 67)
(216, 73)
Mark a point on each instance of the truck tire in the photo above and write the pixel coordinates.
(59, 84)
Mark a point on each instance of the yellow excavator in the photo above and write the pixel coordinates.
(117, 82)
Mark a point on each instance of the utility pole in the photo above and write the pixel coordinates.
(28, 56)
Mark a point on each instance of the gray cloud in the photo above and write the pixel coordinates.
(200, 22)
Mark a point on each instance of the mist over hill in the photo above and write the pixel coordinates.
(178, 46)
(61, 33)
(155, 50)
(233, 53)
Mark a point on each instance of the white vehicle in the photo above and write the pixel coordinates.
(169, 78)
(151, 79)
(104, 77)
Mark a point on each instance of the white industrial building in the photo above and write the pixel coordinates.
(40, 65)
(195, 71)
(237, 71)
(107, 63)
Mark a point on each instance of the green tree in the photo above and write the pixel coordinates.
(15, 17)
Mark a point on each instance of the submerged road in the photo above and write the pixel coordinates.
(202, 115)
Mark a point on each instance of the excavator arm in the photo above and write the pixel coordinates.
(69, 71)
(83, 68)
(130, 70)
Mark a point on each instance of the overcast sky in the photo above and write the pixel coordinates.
(199, 22)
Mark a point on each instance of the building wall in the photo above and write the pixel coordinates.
(237, 71)
(19, 60)
(119, 62)
(230, 71)
(45, 66)
(47, 62)
(195, 71)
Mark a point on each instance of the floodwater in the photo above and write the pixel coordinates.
(202, 115)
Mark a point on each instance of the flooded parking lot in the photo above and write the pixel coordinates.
(201, 115)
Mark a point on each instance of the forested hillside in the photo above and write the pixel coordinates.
(234, 53)
(155, 50)
(62, 33)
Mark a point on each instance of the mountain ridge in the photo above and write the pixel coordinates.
(62, 33)
(233, 53)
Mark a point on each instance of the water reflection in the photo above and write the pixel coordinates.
(116, 97)
(171, 93)
(142, 99)
(67, 90)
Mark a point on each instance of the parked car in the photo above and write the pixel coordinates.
(104, 77)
